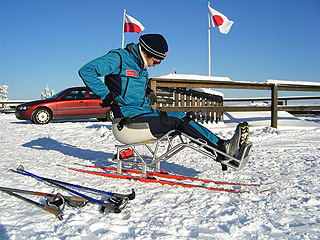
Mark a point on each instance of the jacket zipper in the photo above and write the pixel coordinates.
(125, 89)
(145, 88)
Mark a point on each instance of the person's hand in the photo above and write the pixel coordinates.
(150, 94)
(108, 101)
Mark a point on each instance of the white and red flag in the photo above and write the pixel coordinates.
(132, 25)
(219, 20)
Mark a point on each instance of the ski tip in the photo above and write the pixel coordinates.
(20, 168)
(59, 165)
(267, 190)
(269, 183)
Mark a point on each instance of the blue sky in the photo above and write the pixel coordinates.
(45, 42)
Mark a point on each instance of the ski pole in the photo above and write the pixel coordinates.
(104, 205)
(47, 208)
(111, 207)
(130, 196)
(71, 200)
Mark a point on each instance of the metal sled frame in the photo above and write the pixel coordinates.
(175, 141)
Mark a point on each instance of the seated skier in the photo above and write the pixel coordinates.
(126, 90)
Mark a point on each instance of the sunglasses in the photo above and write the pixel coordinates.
(155, 62)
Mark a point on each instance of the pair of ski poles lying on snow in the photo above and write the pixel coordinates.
(114, 204)
(55, 203)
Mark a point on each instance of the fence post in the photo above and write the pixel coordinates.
(176, 99)
(182, 96)
(274, 106)
(188, 100)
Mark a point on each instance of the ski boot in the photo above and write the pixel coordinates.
(239, 138)
(239, 147)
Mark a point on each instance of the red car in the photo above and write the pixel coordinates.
(71, 103)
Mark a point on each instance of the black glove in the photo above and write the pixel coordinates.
(108, 101)
(150, 94)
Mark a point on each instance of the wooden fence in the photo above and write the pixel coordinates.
(183, 97)
(157, 83)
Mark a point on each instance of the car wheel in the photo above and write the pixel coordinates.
(110, 115)
(41, 116)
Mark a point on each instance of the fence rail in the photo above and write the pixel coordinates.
(257, 99)
(240, 108)
(274, 88)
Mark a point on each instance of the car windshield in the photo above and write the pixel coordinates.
(58, 94)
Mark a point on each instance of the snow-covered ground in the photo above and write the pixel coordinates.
(288, 155)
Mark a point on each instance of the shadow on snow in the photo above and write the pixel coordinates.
(3, 233)
(252, 119)
(47, 144)
(98, 158)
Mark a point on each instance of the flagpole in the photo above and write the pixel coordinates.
(209, 44)
(124, 19)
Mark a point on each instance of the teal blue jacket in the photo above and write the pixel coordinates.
(124, 77)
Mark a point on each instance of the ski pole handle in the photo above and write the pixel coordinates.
(54, 211)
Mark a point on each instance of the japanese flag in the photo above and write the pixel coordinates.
(132, 25)
(219, 20)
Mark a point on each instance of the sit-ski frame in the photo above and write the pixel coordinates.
(173, 148)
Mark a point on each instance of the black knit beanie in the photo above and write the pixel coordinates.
(155, 45)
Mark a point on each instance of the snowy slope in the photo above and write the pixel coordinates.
(288, 155)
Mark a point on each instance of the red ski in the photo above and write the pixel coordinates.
(177, 177)
(151, 180)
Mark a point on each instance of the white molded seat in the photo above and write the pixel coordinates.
(132, 132)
